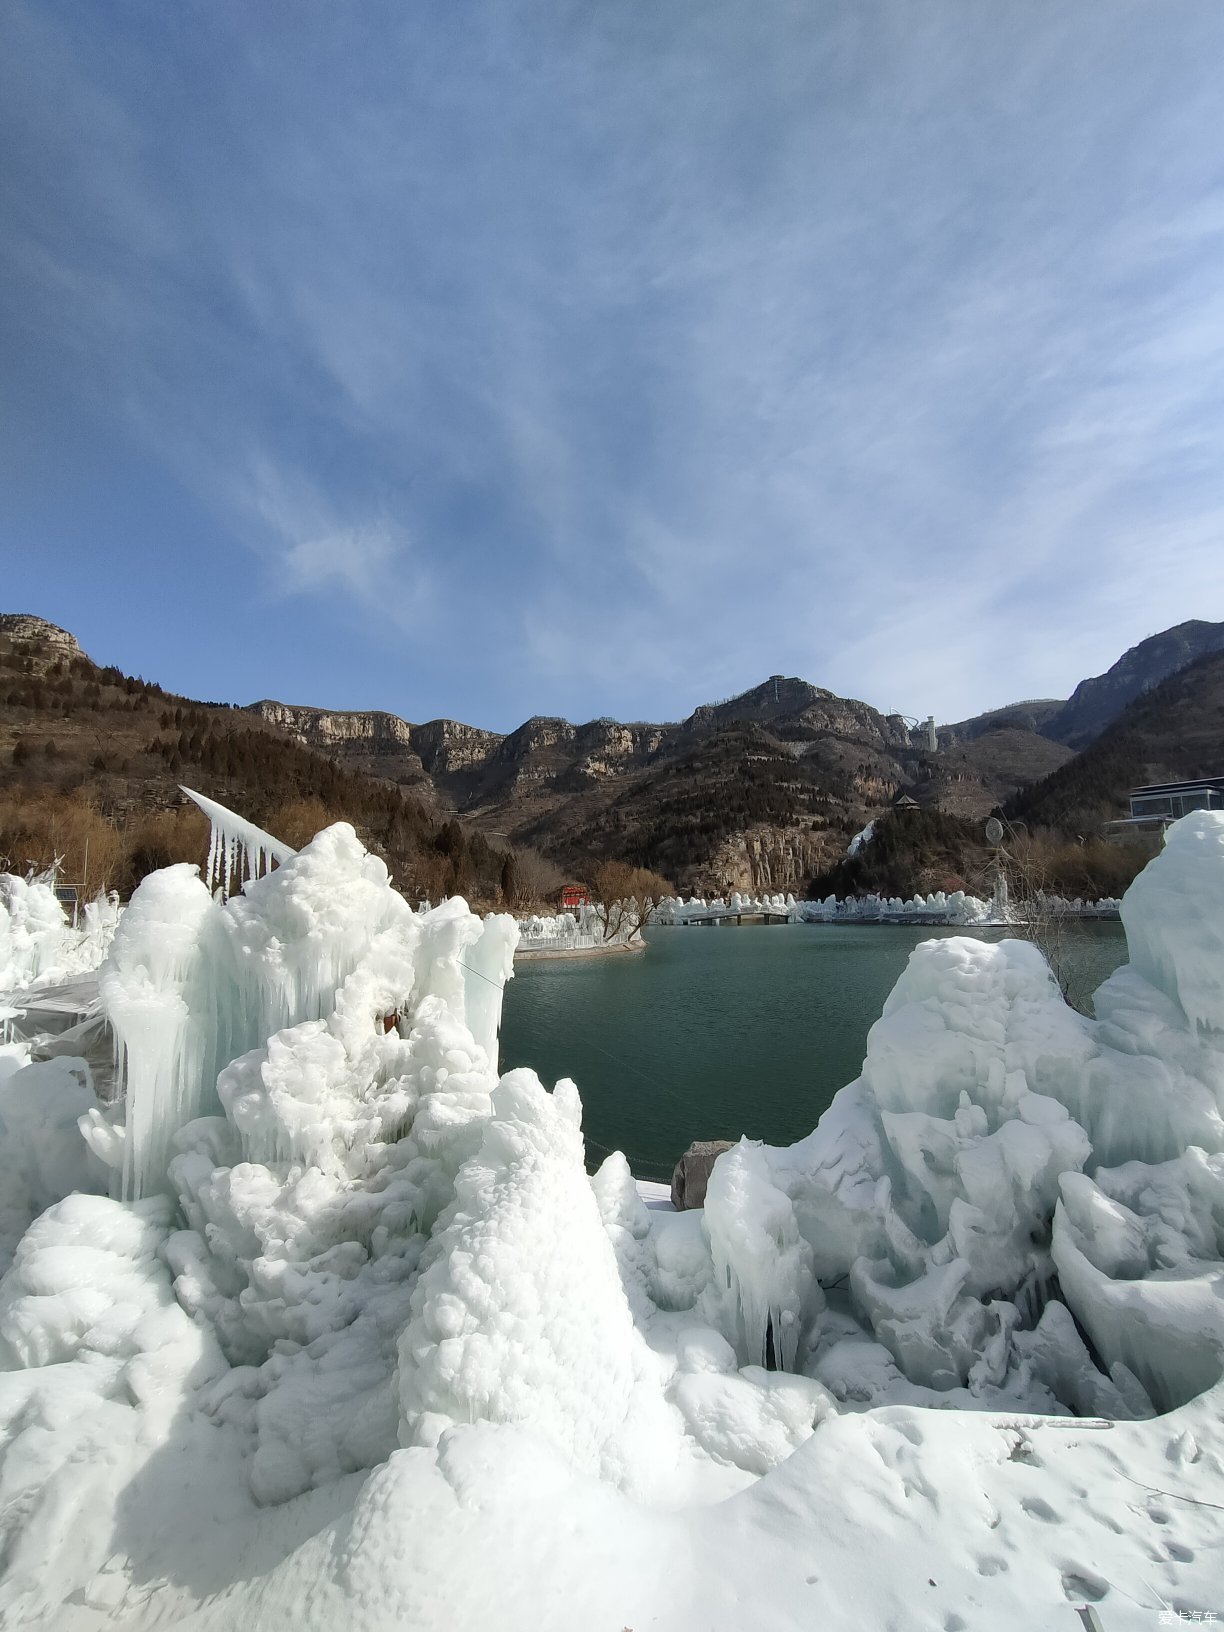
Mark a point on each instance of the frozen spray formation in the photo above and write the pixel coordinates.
(237, 849)
(38, 945)
(358, 1299)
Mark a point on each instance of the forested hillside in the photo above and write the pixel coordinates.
(91, 761)
(1169, 733)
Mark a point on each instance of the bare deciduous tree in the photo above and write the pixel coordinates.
(1037, 911)
(538, 879)
(627, 897)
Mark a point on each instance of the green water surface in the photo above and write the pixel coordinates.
(711, 1033)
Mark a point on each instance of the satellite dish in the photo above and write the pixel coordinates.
(994, 831)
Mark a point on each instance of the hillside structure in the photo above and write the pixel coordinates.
(1155, 806)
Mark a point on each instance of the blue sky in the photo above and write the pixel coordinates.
(488, 359)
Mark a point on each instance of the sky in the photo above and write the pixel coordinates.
(511, 357)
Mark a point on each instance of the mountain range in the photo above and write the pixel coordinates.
(759, 791)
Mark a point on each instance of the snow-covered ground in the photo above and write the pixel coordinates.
(323, 1325)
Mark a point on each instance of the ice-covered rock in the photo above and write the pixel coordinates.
(930, 1189)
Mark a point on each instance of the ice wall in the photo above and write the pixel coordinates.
(487, 968)
(760, 1259)
(32, 930)
(152, 989)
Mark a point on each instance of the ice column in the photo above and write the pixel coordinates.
(489, 964)
(147, 985)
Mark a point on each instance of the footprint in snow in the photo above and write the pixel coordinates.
(1037, 1508)
(1079, 1584)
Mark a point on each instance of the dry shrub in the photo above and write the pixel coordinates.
(1047, 863)
(538, 879)
(39, 829)
(617, 881)
(162, 838)
(296, 821)
(1043, 868)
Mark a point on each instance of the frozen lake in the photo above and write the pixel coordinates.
(712, 1033)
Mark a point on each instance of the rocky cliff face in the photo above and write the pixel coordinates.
(535, 736)
(323, 729)
(766, 860)
(465, 763)
(447, 746)
(604, 748)
(437, 748)
(374, 742)
(47, 640)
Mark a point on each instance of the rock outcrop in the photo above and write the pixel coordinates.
(446, 746)
(769, 860)
(48, 639)
(692, 1174)
(322, 728)
(802, 706)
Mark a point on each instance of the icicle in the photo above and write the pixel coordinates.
(238, 851)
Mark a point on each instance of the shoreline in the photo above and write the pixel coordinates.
(533, 952)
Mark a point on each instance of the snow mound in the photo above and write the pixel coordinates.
(518, 1314)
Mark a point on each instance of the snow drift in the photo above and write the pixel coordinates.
(323, 1319)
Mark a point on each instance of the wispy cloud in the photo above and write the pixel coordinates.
(625, 360)
(311, 549)
(364, 561)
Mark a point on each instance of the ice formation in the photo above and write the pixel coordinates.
(38, 945)
(674, 910)
(583, 931)
(355, 1340)
(517, 1315)
(862, 837)
(237, 850)
(940, 907)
